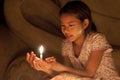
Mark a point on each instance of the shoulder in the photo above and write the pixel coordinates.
(95, 35)
(99, 41)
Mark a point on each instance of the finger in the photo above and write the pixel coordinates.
(32, 57)
(50, 59)
(27, 57)
(35, 65)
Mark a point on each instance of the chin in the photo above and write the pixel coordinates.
(70, 40)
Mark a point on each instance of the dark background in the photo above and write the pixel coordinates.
(2, 20)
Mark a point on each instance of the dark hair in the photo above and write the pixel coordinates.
(81, 11)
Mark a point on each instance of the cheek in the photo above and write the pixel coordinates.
(79, 32)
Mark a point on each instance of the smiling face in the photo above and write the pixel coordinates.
(72, 27)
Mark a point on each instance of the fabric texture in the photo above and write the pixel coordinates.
(93, 41)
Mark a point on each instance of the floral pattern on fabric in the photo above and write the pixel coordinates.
(93, 42)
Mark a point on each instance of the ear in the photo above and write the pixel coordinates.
(85, 23)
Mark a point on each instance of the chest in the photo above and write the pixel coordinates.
(82, 52)
(77, 51)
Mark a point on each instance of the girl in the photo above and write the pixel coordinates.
(86, 53)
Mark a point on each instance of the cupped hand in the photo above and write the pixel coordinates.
(48, 65)
(30, 57)
(56, 66)
(42, 65)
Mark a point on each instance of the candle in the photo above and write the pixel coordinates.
(41, 49)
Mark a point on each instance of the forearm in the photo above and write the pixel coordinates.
(82, 73)
(59, 68)
(51, 72)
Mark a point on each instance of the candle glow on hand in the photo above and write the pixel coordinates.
(41, 50)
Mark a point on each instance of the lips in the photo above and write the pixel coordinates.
(68, 36)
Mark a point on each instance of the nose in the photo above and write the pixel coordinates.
(66, 30)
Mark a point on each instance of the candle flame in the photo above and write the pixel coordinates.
(41, 49)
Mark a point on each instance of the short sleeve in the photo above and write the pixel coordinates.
(99, 42)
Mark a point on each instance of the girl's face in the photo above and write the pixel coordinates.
(72, 28)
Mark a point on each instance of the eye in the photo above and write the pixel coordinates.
(71, 25)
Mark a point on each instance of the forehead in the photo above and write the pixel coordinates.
(68, 18)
